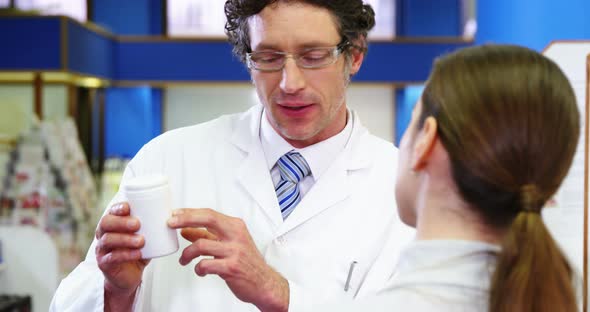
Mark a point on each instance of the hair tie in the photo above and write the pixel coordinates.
(530, 199)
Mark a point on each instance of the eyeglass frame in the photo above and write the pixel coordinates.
(337, 50)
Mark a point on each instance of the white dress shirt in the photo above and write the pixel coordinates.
(318, 156)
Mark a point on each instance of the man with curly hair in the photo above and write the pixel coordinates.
(288, 204)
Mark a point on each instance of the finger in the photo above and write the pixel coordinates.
(204, 247)
(192, 234)
(117, 224)
(214, 221)
(120, 209)
(180, 211)
(110, 241)
(212, 266)
(116, 257)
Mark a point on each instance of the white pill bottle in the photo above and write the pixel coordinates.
(150, 201)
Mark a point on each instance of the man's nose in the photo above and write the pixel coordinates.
(293, 79)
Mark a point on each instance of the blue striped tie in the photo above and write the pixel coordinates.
(293, 169)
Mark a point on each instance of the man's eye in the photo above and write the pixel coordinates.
(314, 55)
(267, 58)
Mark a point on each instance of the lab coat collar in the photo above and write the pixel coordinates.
(461, 263)
(247, 128)
(253, 173)
(254, 176)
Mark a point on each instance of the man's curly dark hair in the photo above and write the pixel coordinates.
(355, 19)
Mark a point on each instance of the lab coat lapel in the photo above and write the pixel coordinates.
(253, 173)
(335, 185)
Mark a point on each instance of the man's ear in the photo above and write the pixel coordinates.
(424, 145)
(357, 58)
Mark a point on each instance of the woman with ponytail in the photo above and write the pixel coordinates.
(490, 141)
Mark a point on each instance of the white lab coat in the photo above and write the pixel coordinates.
(346, 216)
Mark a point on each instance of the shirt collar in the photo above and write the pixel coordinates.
(458, 262)
(319, 156)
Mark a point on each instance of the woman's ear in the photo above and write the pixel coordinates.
(424, 145)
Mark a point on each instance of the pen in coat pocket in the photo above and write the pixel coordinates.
(347, 284)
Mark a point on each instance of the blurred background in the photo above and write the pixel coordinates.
(85, 83)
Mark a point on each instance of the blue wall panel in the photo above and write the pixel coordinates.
(213, 61)
(402, 62)
(181, 60)
(532, 23)
(178, 61)
(405, 100)
(89, 52)
(157, 96)
(129, 17)
(30, 43)
(419, 18)
(132, 118)
(156, 22)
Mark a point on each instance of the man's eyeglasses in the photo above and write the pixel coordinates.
(309, 58)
